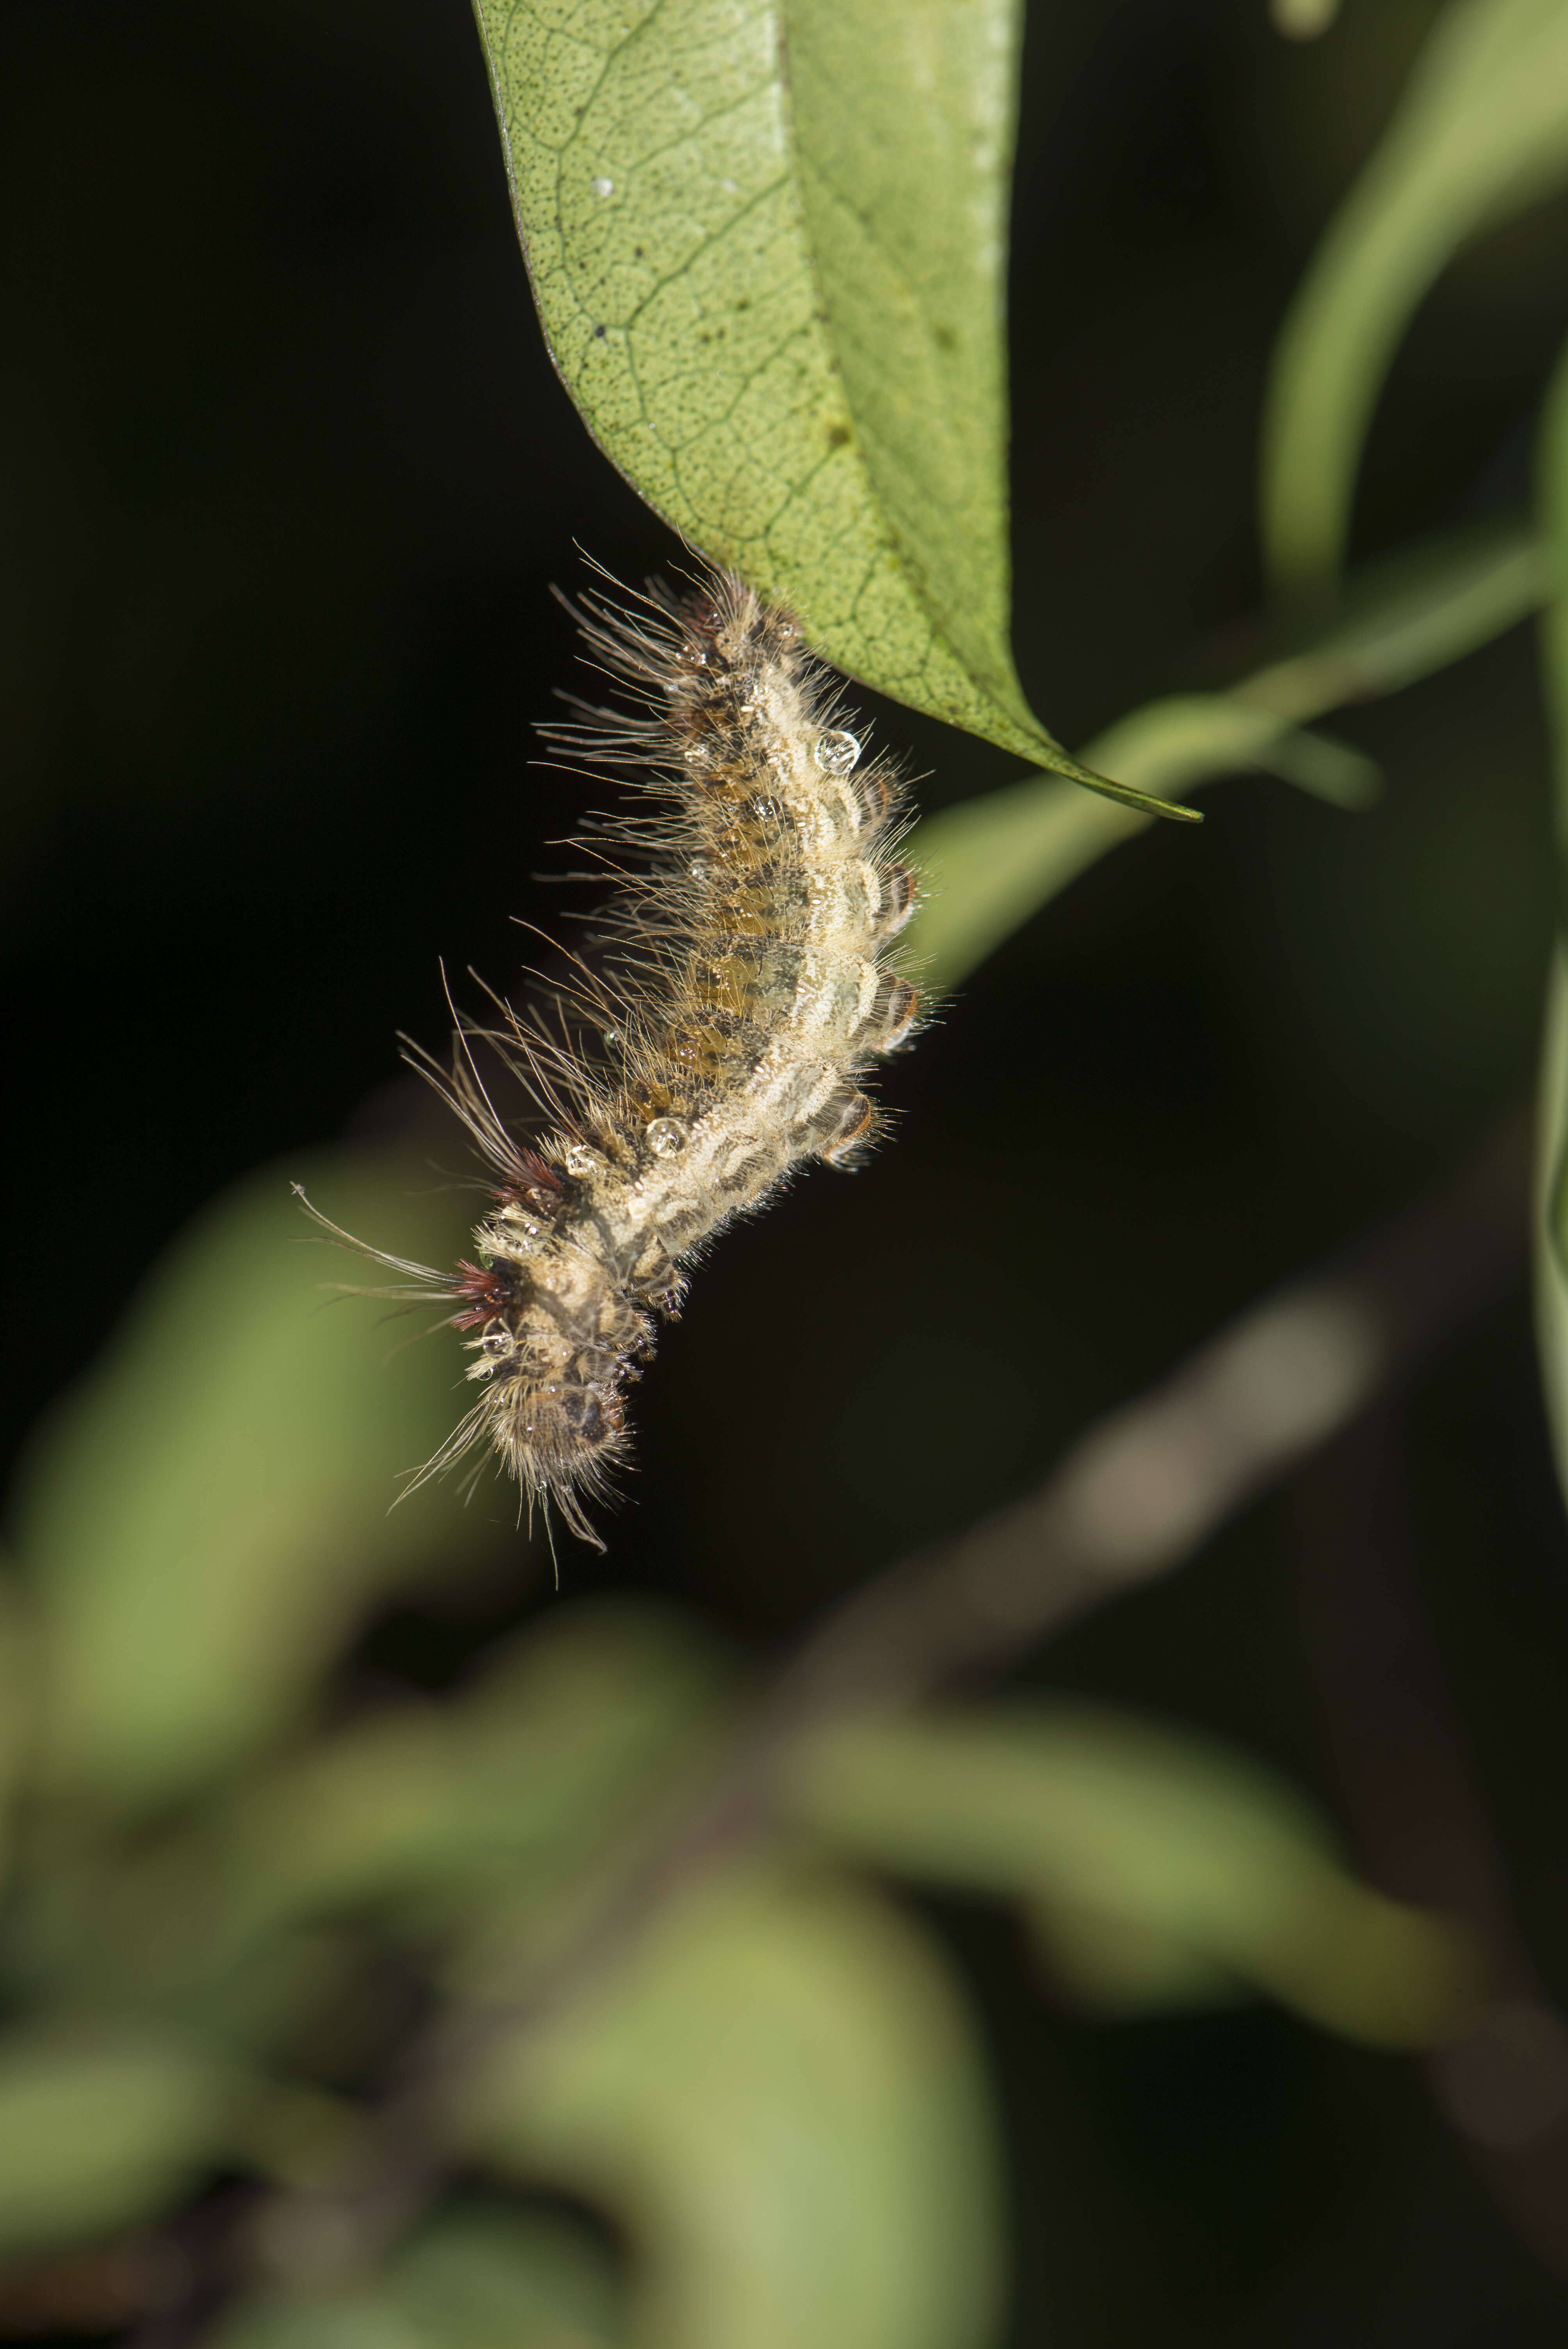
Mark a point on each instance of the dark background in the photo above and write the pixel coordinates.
(286, 475)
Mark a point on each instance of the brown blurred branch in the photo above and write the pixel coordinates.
(1138, 1495)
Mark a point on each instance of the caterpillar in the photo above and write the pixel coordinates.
(737, 995)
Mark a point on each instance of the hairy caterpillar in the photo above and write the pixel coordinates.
(742, 995)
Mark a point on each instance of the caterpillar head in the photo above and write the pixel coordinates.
(555, 1344)
(560, 1437)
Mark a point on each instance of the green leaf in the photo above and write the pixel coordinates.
(445, 1825)
(205, 1515)
(1551, 1203)
(1552, 495)
(779, 2096)
(469, 2280)
(769, 245)
(100, 2135)
(1303, 20)
(1408, 616)
(1551, 1237)
(1480, 132)
(503, 1794)
(1156, 1860)
(992, 862)
(18, 1705)
(142, 1933)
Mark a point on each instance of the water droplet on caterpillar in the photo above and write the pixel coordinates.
(666, 1136)
(521, 1232)
(836, 753)
(581, 1160)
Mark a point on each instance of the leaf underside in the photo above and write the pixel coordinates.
(769, 247)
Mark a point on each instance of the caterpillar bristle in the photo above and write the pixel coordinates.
(714, 1033)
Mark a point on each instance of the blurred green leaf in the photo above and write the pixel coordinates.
(505, 1792)
(1409, 614)
(1550, 1236)
(99, 2134)
(1479, 133)
(779, 2096)
(769, 245)
(1551, 1216)
(469, 2280)
(145, 1934)
(1203, 1862)
(477, 1815)
(992, 862)
(1115, 1963)
(204, 1517)
(19, 1704)
(1303, 20)
(1553, 498)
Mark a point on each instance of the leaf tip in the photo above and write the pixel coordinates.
(1173, 811)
